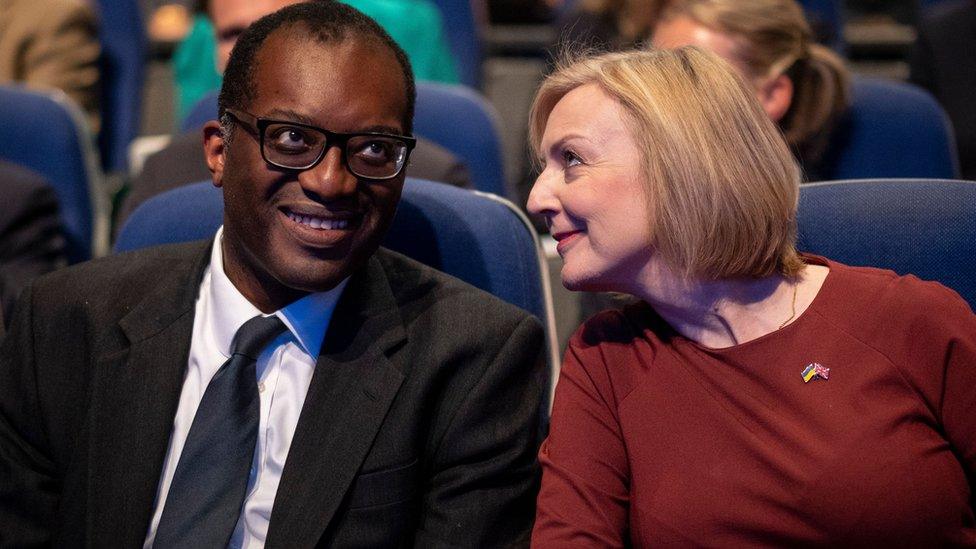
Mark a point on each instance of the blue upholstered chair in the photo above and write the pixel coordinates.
(464, 38)
(892, 129)
(462, 121)
(204, 111)
(923, 227)
(122, 63)
(827, 19)
(480, 238)
(47, 133)
(455, 117)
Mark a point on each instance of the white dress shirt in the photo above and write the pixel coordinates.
(284, 371)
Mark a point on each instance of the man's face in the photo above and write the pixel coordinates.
(231, 17)
(288, 233)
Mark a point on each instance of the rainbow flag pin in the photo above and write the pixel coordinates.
(815, 370)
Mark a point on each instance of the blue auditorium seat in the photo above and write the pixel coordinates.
(892, 129)
(121, 66)
(918, 226)
(464, 37)
(462, 121)
(46, 132)
(827, 19)
(204, 111)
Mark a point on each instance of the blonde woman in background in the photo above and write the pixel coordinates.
(803, 86)
(754, 396)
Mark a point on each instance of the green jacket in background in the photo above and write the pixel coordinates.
(415, 25)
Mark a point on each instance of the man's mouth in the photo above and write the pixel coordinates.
(318, 222)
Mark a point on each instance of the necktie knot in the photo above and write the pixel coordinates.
(255, 334)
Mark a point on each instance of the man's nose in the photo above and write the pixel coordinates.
(330, 179)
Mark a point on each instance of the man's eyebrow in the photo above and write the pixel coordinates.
(382, 129)
(293, 116)
(288, 115)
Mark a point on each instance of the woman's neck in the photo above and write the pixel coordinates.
(724, 313)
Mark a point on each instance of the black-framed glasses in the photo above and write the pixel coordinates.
(296, 146)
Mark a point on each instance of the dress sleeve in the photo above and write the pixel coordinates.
(584, 500)
(958, 403)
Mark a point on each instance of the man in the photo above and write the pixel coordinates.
(142, 405)
(181, 162)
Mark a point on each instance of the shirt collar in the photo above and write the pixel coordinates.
(307, 318)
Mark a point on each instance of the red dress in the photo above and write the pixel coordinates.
(658, 441)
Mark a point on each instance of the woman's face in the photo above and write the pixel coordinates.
(683, 31)
(774, 94)
(591, 194)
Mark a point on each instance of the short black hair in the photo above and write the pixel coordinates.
(328, 22)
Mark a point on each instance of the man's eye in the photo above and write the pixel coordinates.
(290, 139)
(376, 151)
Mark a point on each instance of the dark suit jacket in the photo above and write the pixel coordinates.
(31, 238)
(420, 426)
(182, 162)
(942, 62)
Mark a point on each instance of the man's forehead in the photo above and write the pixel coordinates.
(349, 74)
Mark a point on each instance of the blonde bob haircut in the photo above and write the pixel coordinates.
(722, 184)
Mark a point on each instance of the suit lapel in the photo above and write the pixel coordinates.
(135, 393)
(351, 390)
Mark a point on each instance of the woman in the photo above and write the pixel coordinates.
(753, 396)
(803, 86)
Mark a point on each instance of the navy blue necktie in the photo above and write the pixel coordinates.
(209, 485)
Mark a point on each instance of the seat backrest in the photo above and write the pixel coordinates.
(204, 111)
(464, 38)
(923, 227)
(482, 239)
(827, 19)
(47, 133)
(459, 119)
(121, 66)
(892, 129)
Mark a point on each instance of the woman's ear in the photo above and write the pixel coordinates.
(776, 96)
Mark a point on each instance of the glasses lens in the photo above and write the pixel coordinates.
(375, 156)
(292, 146)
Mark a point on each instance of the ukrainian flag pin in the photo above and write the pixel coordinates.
(815, 370)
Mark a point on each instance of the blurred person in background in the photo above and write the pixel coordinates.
(31, 238)
(608, 24)
(52, 44)
(416, 25)
(942, 61)
(803, 86)
(753, 396)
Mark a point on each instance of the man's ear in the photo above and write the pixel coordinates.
(214, 147)
(776, 96)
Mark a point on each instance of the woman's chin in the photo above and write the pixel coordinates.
(580, 282)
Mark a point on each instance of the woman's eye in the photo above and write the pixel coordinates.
(570, 159)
